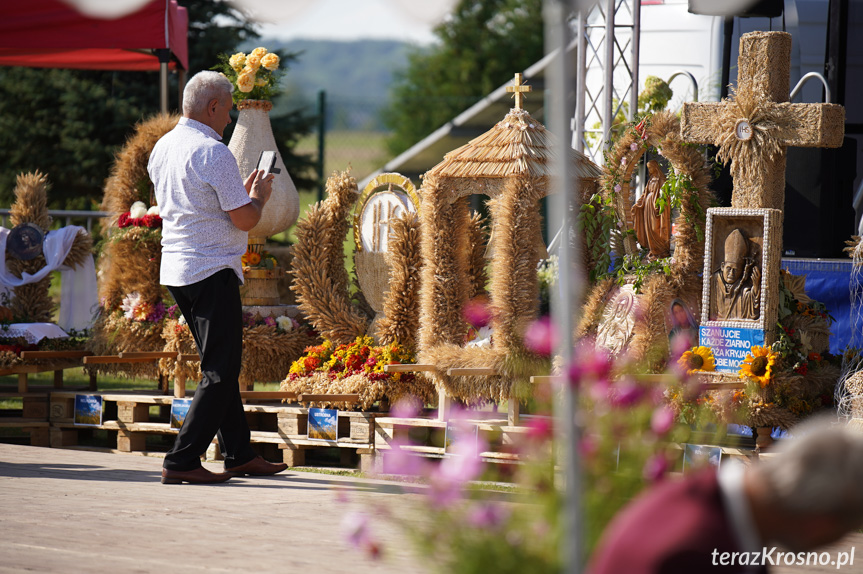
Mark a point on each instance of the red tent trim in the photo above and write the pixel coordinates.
(50, 34)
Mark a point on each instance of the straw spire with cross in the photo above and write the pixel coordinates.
(518, 90)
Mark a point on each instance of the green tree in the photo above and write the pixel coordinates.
(482, 44)
(69, 123)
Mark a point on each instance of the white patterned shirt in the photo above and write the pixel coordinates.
(197, 182)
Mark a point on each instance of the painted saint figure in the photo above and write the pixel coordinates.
(652, 227)
(683, 324)
(736, 285)
(615, 329)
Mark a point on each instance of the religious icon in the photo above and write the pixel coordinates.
(376, 217)
(736, 285)
(652, 226)
(615, 329)
(683, 323)
(25, 241)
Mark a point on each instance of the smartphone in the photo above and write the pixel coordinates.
(267, 163)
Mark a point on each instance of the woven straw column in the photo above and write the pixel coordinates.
(252, 135)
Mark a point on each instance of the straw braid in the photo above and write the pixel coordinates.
(400, 323)
(320, 278)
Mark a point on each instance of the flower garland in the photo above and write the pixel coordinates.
(139, 216)
(361, 357)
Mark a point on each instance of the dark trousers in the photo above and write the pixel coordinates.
(215, 317)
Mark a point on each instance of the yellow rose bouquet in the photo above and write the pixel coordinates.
(255, 75)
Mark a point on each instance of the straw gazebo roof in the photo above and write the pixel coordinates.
(516, 146)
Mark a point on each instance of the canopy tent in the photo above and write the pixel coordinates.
(52, 34)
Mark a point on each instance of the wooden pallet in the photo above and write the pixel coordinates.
(355, 435)
(427, 436)
(274, 427)
(127, 414)
(32, 418)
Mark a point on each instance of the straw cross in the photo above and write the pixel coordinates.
(754, 128)
(518, 91)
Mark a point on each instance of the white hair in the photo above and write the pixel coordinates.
(818, 471)
(203, 88)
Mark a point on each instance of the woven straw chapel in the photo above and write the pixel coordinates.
(509, 164)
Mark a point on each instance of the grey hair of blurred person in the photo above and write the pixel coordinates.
(203, 88)
(818, 471)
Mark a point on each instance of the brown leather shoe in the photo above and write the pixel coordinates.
(257, 467)
(198, 476)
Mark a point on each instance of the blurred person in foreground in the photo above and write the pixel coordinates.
(806, 495)
(207, 211)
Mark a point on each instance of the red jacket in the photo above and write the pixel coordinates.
(678, 526)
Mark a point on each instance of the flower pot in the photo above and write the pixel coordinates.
(261, 286)
(252, 135)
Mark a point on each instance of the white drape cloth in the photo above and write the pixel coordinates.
(78, 295)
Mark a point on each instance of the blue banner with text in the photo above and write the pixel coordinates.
(730, 345)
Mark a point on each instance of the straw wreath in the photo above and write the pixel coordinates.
(320, 278)
(662, 132)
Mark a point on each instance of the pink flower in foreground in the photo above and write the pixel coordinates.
(540, 429)
(589, 364)
(401, 461)
(404, 409)
(662, 420)
(655, 467)
(587, 446)
(633, 146)
(463, 465)
(541, 337)
(487, 515)
(625, 394)
(477, 312)
(680, 343)
(355, 527)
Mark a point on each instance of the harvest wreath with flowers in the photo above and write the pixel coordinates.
(358, 367)
(657, 281)
(780, 383)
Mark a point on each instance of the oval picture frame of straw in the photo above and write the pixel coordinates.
(383, 183)
(661, 132)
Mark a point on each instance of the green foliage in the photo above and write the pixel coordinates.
(636, 267)
(677, 189)
(655, 95)
(597, 218)
(70, 123)
(482, 45)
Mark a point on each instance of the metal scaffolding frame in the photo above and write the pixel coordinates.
(607, 75)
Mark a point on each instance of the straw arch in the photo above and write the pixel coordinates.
(509, 163)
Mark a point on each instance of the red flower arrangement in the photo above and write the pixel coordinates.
(151, 220)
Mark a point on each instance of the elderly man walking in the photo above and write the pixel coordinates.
(207, 210)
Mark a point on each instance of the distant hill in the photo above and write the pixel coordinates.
(355, 75)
